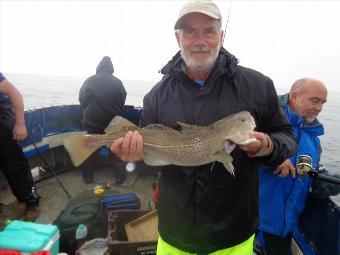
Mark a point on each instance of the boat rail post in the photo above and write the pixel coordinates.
(48, 167)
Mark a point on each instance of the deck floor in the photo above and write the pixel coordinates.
(54, 199)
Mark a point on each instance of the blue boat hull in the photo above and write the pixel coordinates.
(47, 128)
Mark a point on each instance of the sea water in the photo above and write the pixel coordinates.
(42, 91)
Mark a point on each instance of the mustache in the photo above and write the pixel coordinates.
(314, 112)
(200, 49)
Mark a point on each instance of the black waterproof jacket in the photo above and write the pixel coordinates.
(202, 210)
(101, 97)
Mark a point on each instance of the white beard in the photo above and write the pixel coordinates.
(309, 119)
(205, 65)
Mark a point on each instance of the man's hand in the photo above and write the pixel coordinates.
(284, 169)
(253, 148)
(19, 131)
(129, 148)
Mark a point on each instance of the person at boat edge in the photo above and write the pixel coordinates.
(283, 191)
(102, 97)
(13, 162)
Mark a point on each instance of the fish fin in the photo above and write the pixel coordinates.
(159, 127)
(186, 128)
(229, 146)
(226, 160)
(80, 147)
(119, 124)
(154, 161)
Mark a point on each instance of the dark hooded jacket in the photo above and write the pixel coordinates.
(204, 209)
(101, 97)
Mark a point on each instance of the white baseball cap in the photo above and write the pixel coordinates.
(206, 7)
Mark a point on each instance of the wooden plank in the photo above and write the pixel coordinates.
(143, 228)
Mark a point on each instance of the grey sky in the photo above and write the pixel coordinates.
(283, 39)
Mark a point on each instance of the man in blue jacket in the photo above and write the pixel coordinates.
(283, 199)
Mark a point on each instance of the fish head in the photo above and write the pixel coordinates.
(236, 128)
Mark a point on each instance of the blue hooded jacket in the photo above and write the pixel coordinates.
(283, 199)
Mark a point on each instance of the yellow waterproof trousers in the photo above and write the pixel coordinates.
(245, 248)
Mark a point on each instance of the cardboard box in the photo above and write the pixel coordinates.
(29, 237)
(144, 228)
(117, 238)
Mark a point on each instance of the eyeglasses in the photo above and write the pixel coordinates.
(191, 33)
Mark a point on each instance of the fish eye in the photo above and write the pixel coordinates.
(243, 119)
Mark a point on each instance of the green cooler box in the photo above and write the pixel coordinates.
(29, 237)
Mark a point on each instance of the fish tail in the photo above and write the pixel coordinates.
(80, 147)
(230, 168)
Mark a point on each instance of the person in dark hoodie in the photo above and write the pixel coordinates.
(101, 97)
(204, 209)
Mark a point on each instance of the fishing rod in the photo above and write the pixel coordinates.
(323, 177)
(226, 25)
(47, 166)
(304, 166)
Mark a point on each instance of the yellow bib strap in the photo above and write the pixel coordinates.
(245, 248)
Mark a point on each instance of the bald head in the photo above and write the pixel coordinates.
(304, 84)
(306, 98)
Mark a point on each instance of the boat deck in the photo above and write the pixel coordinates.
(54, 199)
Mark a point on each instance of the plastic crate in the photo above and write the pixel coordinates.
(117, 239)
(30, 237)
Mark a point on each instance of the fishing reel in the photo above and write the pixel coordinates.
(304, 164)
(304, 167)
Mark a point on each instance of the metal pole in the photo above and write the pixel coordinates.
(48, 167)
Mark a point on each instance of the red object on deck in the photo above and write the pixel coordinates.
(155, 194)
(41, 253)
(9, 252)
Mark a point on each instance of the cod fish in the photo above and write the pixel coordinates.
(191, 146)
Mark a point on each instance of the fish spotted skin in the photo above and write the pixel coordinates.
(191, 146)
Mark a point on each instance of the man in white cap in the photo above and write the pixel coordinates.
(204, 209)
